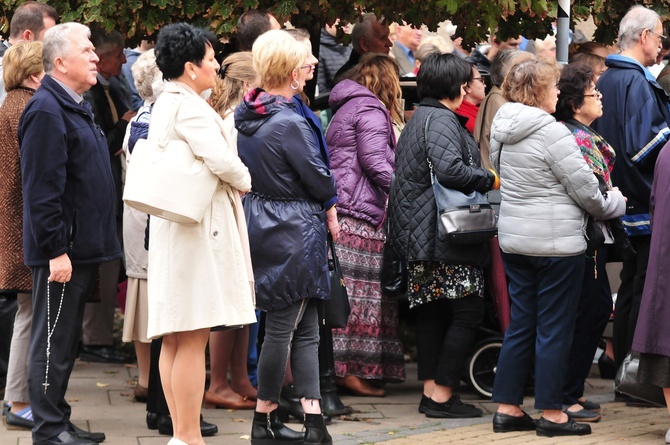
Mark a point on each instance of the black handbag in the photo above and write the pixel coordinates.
(627, 382)
(394, 275)
(337, 309)
(462, 218)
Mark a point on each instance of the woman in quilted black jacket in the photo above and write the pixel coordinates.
(446, 281)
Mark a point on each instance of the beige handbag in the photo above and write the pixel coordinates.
(165, 179)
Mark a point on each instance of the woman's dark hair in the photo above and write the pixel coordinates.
(180, 43)
(442, 75)
(575, 79)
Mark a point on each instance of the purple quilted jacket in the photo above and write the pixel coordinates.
(362, 144)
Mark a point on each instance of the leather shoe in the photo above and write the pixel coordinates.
(583, 415)
(504, 423)
(140, 393)
(165, 426)
(65, 437)
(548, 428)
(18, 422)
(87, 435)
(214, 401)
(102, 354)
(152, 420)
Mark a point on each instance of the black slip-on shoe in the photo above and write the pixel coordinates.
(504, 423)
(87, 435)
(548, 428)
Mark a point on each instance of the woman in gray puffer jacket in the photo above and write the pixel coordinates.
(547, 190)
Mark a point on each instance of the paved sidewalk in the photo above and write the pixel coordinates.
(101, 398)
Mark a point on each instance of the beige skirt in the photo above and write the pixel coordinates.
(137, 312)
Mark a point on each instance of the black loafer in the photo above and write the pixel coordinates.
(548, 428)
(67, 438)
(504, 423)
(152, 420)
(451, 409)
(583, 415)
(590, 406)
(87, 435)
(15, 422)
(165, 426)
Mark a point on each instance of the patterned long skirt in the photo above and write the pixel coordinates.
(369, 347)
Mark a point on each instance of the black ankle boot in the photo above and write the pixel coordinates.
(315, 430)
(290, 406)
(267, 429)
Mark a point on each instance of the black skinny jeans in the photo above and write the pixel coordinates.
(445, 332)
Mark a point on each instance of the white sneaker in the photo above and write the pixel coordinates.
(175, 441)
(667, 437)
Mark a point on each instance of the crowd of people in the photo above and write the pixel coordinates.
(575, 191)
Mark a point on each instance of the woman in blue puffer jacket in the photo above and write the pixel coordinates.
(361, 139)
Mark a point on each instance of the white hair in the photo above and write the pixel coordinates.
(637, 19)
(58, 43)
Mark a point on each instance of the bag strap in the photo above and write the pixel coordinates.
(163, 141)
(464, 147)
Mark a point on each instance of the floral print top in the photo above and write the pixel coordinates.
(434, 280)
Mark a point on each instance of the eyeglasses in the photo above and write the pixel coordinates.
(597, 94)
(660, 36)
(307, 67)
(480, 79)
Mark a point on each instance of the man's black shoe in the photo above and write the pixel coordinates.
(504, 423)
(152, 420)
(66, 438)
(570, 428)
(88, 435)
(165, 426)
(102, 354)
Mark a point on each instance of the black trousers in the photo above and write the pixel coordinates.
(445, 332)
(629, 296)
(8, 307)
(595, 307)
(156, 402)
(50, 410)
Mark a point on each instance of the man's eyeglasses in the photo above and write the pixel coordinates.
(480, 79)
(660, 36)
(597, 94)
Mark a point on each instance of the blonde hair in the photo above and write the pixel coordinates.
(529, 82)
(19, 62)
(275, 56)
(147, 77)
(229, 90)
(379, 74)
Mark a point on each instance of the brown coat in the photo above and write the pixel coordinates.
(487, 111)
(14, 275)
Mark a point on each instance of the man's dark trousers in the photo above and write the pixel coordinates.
(50, 410)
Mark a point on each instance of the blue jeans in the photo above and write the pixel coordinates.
(294, 332)
(544, 292)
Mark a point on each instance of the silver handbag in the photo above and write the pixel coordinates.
(463, 218)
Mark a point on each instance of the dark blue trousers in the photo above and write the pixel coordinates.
(50, 410)
(595, 307)
(544, 292)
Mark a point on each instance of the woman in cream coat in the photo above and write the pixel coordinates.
(199, 275)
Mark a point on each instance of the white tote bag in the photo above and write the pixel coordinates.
(165, 179)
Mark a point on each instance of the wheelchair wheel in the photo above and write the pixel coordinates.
(482, 365)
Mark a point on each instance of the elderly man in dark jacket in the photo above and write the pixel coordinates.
(69, 223)
(636, 123)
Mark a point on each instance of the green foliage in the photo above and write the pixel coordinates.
(532, 18)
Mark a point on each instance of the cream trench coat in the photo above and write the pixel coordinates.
(200, 275)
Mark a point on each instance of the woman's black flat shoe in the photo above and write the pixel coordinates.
(548, 428)
(504, 423)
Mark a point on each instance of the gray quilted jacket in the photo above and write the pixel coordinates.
(412, 215)
(546, 185)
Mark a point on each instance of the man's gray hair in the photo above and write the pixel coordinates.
(106, 42)
(363, 28)
(57, 42)
(637, 19)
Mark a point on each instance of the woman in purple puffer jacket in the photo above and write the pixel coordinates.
(361, 140)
